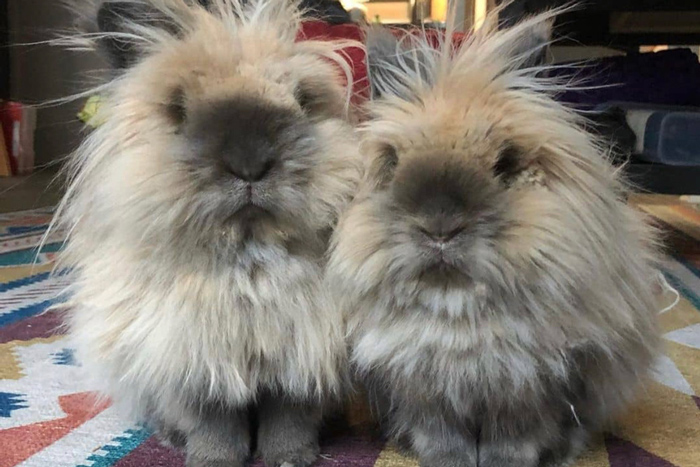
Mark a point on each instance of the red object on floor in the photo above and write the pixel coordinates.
(10, 117)
(18, 126)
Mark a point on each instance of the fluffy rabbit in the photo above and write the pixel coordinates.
(199, 214)
(496, 285)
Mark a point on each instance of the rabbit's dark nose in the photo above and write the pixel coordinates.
(243, 137)
(442, 234)
(441, 190)
(250, 167)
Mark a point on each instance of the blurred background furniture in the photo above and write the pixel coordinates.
(644, 59)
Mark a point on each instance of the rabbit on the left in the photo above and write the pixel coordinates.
(199, 212)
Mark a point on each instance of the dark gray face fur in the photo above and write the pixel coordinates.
(441, 211)
(243, 138)
(448, 210)
(252, 161)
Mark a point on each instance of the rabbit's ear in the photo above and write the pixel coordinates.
(535, 37)
(395, 66)
(120, 21)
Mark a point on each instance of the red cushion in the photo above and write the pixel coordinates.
(320, 30)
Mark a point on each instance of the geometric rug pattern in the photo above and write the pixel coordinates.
(49, 416)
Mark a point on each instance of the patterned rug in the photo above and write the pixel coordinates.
(49, 418)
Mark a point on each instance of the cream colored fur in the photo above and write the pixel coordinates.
(551, 277)
(170, 308)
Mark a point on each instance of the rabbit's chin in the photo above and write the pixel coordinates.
(430, 269)
(452, 264)
(443, 273)
(250, 214)
(256, 225)
(251, 219)
(254, 230)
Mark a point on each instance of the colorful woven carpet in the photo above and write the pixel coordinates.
(49, 417)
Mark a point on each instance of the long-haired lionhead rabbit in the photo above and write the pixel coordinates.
(496, 285)
(199, 213)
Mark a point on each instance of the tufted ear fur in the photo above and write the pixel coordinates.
(535, 37)
(117, 21)
(395, 63)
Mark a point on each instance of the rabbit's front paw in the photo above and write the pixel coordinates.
(449, 461)
(288, 432)
(301, 456)
(195, 462)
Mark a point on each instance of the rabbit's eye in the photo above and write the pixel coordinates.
(508, 163)
(306, 99)
(175, 109)
(317, 100)
(390, 157)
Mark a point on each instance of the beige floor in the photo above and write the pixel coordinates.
(37, 190)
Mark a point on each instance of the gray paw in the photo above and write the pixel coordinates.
(198, 462)
(172, 438)
(301, 457)
(449, 461)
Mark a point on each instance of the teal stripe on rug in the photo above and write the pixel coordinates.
(689, 266)
(684, 290)
(117, 448)
(27, 256)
